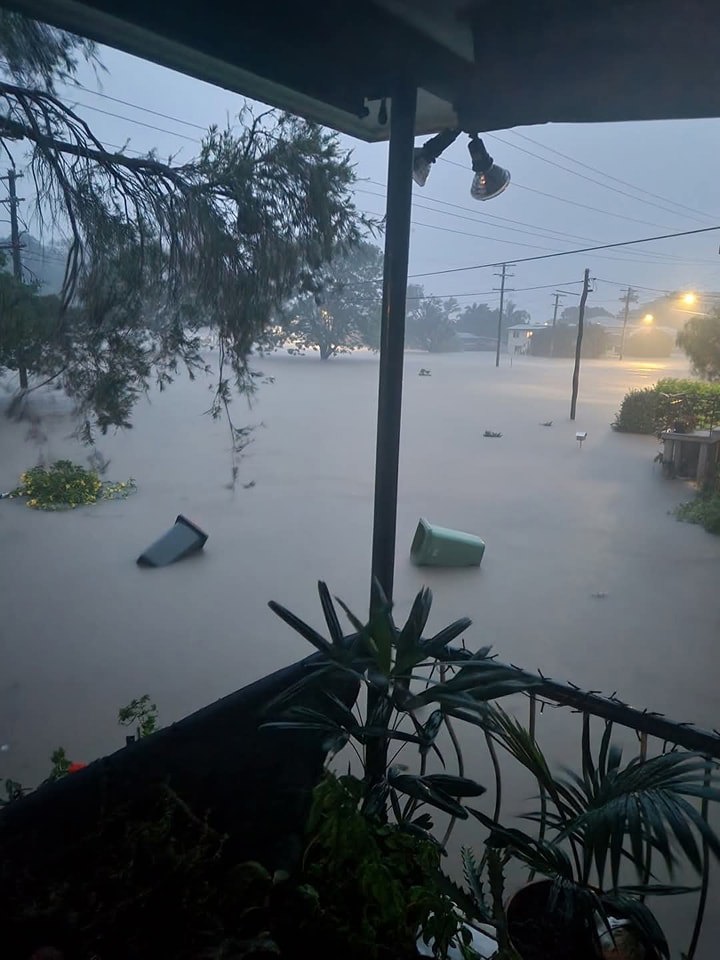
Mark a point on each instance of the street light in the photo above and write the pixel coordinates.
(689, 298)
(648, 319)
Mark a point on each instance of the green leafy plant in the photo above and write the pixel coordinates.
(60, 763)
(397, 668)
(142, 712)
(693, 403)
(378, 885)
(704, 510)
(65, 485)
(609, 817)
(371, 851)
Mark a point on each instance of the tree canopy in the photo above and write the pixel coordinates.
(342, 310)
(158, 250)
(700, 339)
(431, 322)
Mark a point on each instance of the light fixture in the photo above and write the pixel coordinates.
(490, 179)
(689, 298)
(426, 155)
(648, 318)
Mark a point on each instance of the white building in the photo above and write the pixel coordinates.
(519, 336)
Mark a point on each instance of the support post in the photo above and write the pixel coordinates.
(392, 332)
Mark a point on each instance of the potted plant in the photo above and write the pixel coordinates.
(371, 856)
(595, 830)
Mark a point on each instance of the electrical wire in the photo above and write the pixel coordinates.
(565, 253)
(139, 123)
(610, 176)
(582, 176)
(648, 257)
(574, 203)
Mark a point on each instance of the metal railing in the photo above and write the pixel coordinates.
(670, 734)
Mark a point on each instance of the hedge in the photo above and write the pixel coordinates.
(693, 404)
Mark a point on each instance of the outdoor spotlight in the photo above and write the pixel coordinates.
(489, 179)
(427, 154)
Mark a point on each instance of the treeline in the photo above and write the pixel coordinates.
(340, 311)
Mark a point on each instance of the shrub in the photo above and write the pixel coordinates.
(638, 412)
(65, 485)
(693, 403)
(704, 510)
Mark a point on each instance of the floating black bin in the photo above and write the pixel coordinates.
(178, 542)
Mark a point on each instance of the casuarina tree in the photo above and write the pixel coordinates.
(158, 249)
(342, 309)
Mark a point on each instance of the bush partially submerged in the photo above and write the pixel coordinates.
(65, 485)
(704, 510)
(694, 404)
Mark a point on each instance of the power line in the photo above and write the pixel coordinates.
(565, 253)
(136, 106)
(574, 173)
(574, 203)
(609, 176)
(651, 257)
(139, 123)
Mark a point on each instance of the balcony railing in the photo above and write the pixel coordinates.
(656, 734)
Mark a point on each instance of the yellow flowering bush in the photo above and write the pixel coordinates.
(64, 485)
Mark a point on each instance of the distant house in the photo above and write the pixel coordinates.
(471, 341)
(520, 335)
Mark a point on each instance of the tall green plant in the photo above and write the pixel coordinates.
(398, 668)
(608, 817)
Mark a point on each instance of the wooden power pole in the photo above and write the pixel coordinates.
(629, 297)
(578, 343)
(557, 296)
(502, 276)
(12, 202)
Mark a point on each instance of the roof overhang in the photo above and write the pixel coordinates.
(478, 64)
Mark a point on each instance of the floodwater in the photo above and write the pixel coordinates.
(586, 574)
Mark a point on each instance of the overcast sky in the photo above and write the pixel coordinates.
(550, 206)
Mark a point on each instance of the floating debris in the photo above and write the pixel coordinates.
(599, 596)
(492, 433)
(423, 372)
(546, 423)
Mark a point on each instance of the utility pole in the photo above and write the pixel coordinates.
(557, 296)
(12, 202)
(578, 343)
(502, 276)
(629, 297)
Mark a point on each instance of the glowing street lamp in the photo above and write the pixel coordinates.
(689, 298)
(648, 319)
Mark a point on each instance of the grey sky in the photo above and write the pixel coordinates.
(676, 160)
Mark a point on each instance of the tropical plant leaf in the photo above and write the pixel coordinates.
(483, 681)
(541, 856)
(409, 651)
(454, 786)
(386, 734)
(304, 629)
(358, 625)
(418, 789)
(640, 916)
(331, 617)
(445, 637)
(424, 821)
(382, 630)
